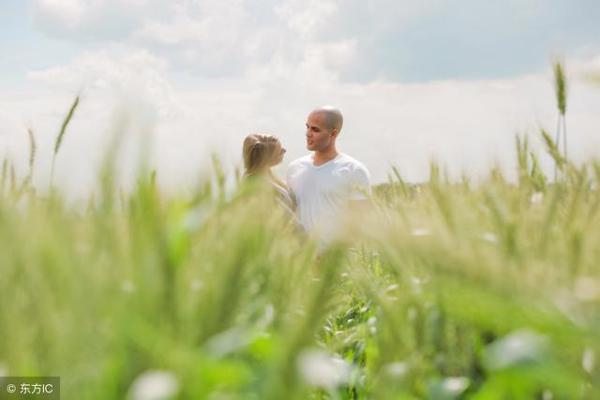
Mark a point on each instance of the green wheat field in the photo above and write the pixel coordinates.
(445, 290)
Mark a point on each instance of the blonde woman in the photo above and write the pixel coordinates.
(261, 152)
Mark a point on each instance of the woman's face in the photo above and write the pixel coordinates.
(278, 152)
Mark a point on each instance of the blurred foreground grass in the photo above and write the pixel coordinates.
(488, 291)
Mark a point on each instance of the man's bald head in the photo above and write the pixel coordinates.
(333, 117)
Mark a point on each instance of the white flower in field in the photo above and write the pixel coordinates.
(372, 324)
(392, 287)
(322, 370)
(417, 284)
(588, 360)
(227, 342)
(448, 388)
(196, 285)
(536, 198)
(489, 237)
(390, 292)
(455, 384)
(516, 348)
(396, 369)
(420, 232)
(587, 289)
(547, 395)
(154, 385)
(127, 286)
(267, 317)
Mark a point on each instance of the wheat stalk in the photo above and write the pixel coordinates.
(560, 87)
(32, 150)
(61, 135)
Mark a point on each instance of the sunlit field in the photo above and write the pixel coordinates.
(445, 290)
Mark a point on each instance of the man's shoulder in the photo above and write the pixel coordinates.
(347, 161)
(358, 176)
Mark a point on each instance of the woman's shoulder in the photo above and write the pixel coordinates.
(280, 188)
(283, 194)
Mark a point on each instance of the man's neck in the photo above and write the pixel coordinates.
(321, 157)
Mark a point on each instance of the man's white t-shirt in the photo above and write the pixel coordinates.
(323, 192)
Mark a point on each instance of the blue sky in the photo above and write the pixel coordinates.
(25, 48)
(454, 80)
(395, 40)
(485, 39)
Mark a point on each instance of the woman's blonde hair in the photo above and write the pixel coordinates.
(260, 151)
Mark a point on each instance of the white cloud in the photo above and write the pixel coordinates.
(309, 64)
(197, 76)
(124, 94)
(94, 20)
(204, 37)
(198, 22)
(183, 29)
(465, 125)
(403, 39)
(66, 13)
(215, 38)
(130, 69)
(13, 140)
(304, 17)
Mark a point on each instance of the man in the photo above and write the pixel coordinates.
(326, 183)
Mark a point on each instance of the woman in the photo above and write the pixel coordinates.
(261, 152)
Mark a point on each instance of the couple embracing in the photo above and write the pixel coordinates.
(322, 186)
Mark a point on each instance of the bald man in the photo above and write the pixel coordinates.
(326, 182)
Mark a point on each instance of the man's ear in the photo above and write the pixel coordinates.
(334, 132)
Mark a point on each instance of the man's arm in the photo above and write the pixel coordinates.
(360, 196)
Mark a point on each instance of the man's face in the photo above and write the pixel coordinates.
(318, 136)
